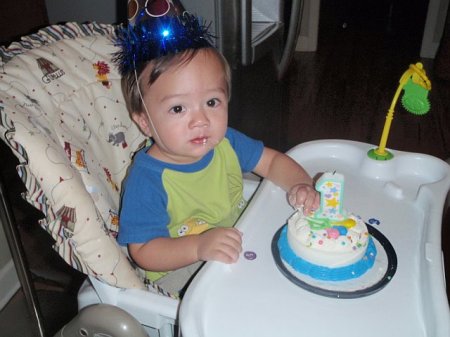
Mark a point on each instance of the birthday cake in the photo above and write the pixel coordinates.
(329, 244)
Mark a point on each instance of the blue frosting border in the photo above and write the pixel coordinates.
(325, 273)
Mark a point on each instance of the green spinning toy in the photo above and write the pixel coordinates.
(416, 86)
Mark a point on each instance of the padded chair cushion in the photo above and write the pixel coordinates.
(63, 114)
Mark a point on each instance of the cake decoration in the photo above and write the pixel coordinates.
(329, 244)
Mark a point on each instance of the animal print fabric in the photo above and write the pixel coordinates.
(63, 115)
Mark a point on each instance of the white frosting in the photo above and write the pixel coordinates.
(326, 247)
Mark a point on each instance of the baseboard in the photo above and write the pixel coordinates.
(9, 281)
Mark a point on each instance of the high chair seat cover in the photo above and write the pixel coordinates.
(63, 114)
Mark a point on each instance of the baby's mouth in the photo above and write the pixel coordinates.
(200, 140)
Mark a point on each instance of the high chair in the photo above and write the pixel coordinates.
(63, 115)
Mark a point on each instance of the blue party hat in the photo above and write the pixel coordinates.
(157, 28)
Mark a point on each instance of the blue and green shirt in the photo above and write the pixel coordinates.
(170, 200)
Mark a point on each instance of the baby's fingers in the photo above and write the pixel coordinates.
(231, 246)
(297, 197)
(220, 244)
(305, 197)
(311, 202)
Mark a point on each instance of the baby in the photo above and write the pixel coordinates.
(183, 193)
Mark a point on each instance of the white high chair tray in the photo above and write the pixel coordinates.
(405, 196)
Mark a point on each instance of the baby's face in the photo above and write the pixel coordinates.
(188, 106)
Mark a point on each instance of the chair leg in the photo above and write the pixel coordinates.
(12, 235)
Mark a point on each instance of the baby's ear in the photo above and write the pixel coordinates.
(142, 122)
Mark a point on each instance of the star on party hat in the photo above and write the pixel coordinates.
(157, 28)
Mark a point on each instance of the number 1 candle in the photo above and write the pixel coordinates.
(331, 188)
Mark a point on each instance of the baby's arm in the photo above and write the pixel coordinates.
(290, 176)
(166, 254)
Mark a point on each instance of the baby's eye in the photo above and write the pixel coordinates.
(213, 102)
(177, 109)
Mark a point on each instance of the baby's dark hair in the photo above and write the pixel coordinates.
(160, 65)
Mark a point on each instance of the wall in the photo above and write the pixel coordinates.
(20, 17)
(102, 11)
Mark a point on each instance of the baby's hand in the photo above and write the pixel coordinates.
(220, 244)
(304, 196)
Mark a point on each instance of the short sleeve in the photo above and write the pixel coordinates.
(248, 150)
(143, 214)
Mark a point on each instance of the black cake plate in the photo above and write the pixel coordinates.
(372, 281)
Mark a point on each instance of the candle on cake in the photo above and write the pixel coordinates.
(331, 188)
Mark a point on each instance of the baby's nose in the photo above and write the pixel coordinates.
(199, 118)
